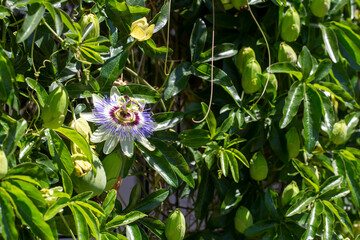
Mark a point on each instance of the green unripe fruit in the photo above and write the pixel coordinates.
(289, 193)
(90, 182)
(320, 7)
(175, 226)
(243, 219)
(339, 133)
(227, 4)
(292, 142)
(90, 18)
(3, 164)
(258, 167)
(250, 81)
(238, 3)
(243, 56)
(54, 112)
(286, 54)
(290, 25)
(112, 164)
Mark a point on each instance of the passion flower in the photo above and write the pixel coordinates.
(54, 112)
(286, 54)
(258, 167)
(290, 25)
(243, 219)
(243, 56)
(95, 30)
(141, 30)
(320, 7)
(175, 226)
(339, 133)
(250, 80)
(120, 119)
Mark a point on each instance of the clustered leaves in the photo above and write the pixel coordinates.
(274, 163)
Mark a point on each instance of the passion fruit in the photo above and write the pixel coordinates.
(87, 19)
(258, 167)
(320, 7)
(250, 80)
(3, 164)
(289, 193)
(292, 142)
(243, 56)
(286, 54)
(290, 25)
(243, 219)
(339, 133)
(175, 226)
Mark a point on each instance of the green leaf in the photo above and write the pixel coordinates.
(29, 213)
(142, 92)
(330, 183)
(92, 206)
(56, 16)
(352, 180)
(232, 198)
(313, 221)
(66, 20)
(236, 153)
(312, 117)
(33, 170)
(197, 39)
(62, 152)
(306, 171)
(166, 120)
(108, 204)
(151, 201)
(133, 232)
(341, 215)
(32, 20)
(259, 228)
(124, 219)
(285, 67)
(15, 133)
(154, 225)
(82, 230)
(305, 62)
(335, 193)
(210, 119)
(195, 137)
(205, 194)
(90, 219)
(56, 207)
(328, 112)
(22, 178)
(328, 220)
(7, 217)
(203, 70)
(150, 49)
(224, 162)
(176, 160)
(292, 103)
(67, 183)
(331, 42)
(234, 167)
(301, 204)
(7, 76)
(120, 16)
(177, 80)
(272, 203)
(161, 17)
(221, 51)
(112, 69)
(40, 91)
(82, 196)
(322, 71)
(160, 164)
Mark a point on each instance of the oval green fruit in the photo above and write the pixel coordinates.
(289, 193)
(339, 133)
(243, 219)
(286, 54)
(91, 182)
(320, 7)
(112, 164)
(292, 142)
(90, 18)
(258, 167)
(290, 25)
(243, 56)
(250, 81)
(238, 3)
(227, 4)
(3, 164)
(175, 226)
(54, 112)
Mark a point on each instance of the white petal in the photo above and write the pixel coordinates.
(98, 136)
(88, 116)
(146, 143)
(110, 144)
(115, 91)
(96, 99)
(127, 147)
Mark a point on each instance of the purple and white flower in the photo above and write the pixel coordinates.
(120, 119)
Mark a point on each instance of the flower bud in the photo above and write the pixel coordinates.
(258, 167)
(82, 127)
(50, 194)
(238, 3)
(339, 133)
(250, 81)
(3, 164)
(140, 29)
(320, 7)
(243, 219)
(90, 18)
(112, 164)
(81, 164)
(54, 112)
(175, 226)
(286, 54)
(227, 4)
(292, 142)
(289, 193)
(290, 25)
(243, 56)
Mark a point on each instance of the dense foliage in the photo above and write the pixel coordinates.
(95, 91)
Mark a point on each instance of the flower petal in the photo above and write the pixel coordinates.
(96, 99)
(146, 143)
(149, 32)
(138, 33)
(88, 116)
(115, 92)
(98, 136)
(127, 147)
(110, 144)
